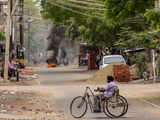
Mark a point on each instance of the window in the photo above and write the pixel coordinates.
(109, 60)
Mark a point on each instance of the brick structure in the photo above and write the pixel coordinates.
(121, 73)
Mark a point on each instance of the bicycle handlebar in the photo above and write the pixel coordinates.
(95, 90)
(88, 88)
(99, 90)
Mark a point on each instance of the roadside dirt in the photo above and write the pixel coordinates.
(22, 82)
(35, 102)
(39, 102)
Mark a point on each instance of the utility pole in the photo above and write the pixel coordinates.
(29, 38)
(21, 26)
(11, 29)
(157, 6)
(7, 42)
(29, 41)
(30, 20)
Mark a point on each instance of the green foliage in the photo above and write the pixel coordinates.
(123, 25)
(125, 38)
(153, 17)
(32, 6)
(137, 23)
(141, 64)
(2, 36)
(130, 39)
(62, 15)
(120, 10)
(90, 29)
(145, 39)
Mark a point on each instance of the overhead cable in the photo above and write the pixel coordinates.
(74, 11)
(87, 3)
(78, 6)
(93, 1)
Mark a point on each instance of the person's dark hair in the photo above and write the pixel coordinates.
(110, 79)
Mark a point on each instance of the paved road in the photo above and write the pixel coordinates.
(62, 75)
(138, 108)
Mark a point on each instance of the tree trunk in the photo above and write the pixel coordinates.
(148, 52)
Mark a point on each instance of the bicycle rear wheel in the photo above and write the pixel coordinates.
(78, 107)
(115, 108)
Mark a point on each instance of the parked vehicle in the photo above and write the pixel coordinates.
(106, 60)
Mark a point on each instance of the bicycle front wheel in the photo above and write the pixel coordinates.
(78, 107)
(115, 108)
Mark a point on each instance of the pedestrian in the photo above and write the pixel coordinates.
(108, 90)
(86, 58)
(11, 65)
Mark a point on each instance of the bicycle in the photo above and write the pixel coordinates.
(80, 104)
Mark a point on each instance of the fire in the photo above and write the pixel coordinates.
(51, 64)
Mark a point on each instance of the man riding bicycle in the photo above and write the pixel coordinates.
(108, 90)
(108, 100)
(110, 87)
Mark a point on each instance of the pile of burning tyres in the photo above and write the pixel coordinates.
(51, 63)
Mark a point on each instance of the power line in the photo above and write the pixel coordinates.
(93, 1)
(78, 12)
(64, 3)
(79, 6)
(74, 11)
(87, 3)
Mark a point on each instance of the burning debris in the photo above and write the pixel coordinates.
(61, 50)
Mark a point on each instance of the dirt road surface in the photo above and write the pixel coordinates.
(58, 86)
(138, 96)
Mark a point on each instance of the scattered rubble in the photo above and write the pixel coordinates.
(24, 74)
(25, 78)
(18, 104)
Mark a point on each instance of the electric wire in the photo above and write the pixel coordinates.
(93, 1)
(87, 3)
(74, 11)
(79, 6)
